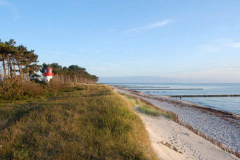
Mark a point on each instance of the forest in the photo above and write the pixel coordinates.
(21, 77)
(20, 63)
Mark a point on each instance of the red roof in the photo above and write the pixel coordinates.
(48, 74)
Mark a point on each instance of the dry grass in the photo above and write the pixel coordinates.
(79, 122)
(152, 110)
(148, 108)
(13, 89)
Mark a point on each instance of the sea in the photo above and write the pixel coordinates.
(229, 104)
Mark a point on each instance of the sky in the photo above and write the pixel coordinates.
(187, 39)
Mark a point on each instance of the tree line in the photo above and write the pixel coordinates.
(17, 61)
(20, 63)
(71, 74)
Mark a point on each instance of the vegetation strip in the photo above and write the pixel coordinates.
(78, 122)
(148, 108)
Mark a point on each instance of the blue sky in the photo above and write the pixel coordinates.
(187, 39)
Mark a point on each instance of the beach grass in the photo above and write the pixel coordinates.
(149, 109)
(78, 122)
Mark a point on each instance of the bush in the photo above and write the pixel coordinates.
(149, 109)
(19, 89)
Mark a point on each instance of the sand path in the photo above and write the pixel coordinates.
(188, 144)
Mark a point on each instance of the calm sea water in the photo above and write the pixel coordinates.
(230, 104)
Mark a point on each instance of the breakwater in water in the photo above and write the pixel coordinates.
(139, 89)
(223, 95)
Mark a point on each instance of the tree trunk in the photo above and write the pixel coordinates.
(14, 69)
(4, 67)
(20, 71)
(27, 74)
(9, 65)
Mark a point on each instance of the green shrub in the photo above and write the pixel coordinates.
(148, 109)
(18, 89)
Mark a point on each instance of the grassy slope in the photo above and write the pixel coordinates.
(91, 122)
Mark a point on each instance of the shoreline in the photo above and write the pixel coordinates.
(194, 105)
(219, 127)
(172, 141)
(234, 114)
(182, 102)
(191, 104)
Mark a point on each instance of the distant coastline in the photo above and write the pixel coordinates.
(212, 95)
(161, 79)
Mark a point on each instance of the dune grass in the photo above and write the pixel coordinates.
(79, 122)
(147, 108)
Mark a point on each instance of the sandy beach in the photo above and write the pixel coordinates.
(171, 140)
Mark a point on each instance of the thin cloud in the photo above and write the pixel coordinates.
(108, 42)
(106, 66)
(227, 43)
(88, 51)
(219, 44)
(208, 48)
(217, 75)
(3, 3)
(67, 54)
(151, 26)
(16, 18)
(13, 8)
(235, 45)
